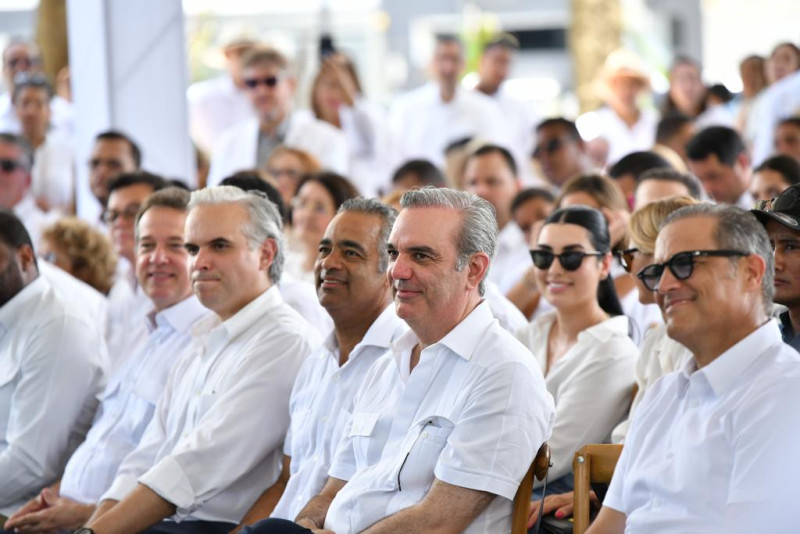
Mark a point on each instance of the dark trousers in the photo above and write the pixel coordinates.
(191, 527)
(275, 526)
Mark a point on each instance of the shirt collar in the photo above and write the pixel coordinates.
(380, 333)
(10, 311)
(179, 317)
(243, 319)
(726, 369)
(605, 330)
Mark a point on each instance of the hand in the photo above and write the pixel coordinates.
(562, 504)
(34, 505)
(335, 64)
(57, 514)
(617, 224)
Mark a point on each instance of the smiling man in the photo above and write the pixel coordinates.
(707, 447)
(445, 425)
(129, 401)
(214, 440)
(351, 281)
(782, 222)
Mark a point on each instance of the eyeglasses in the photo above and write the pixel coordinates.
(626, 258)
(269, 81)
(128, 214)
(570, 260)
(9, 165)
(680, 265)
(553, 145)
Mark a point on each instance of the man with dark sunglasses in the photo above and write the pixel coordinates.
(707, 447)
(270, 86)
(781, 218)
(559, 151)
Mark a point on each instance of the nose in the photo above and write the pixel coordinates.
(780, 262)
(399, 268)
(159, 255)
(668, 282)
(201, 261)
(332, 261)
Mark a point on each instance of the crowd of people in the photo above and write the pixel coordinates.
(369, 321)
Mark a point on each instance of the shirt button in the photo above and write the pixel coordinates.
(424, 435)
(670, 456)
(316, 458)
(324, 418)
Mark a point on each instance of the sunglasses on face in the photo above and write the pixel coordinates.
(570, 260)
(680, 265)
(269, 81)
(551, 146)
(9, 165)
(626, 258)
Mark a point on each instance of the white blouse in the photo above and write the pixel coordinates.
(591, 384)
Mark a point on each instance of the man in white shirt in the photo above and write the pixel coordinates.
(52, 175)
(351, 281)
(215, 438)
(446, 425)
(490, 173)
(426, 120)
(718, 157)
(560, 151)
(21, 56)
(52, 365)
(218, 103)
(127, 303)
(518, 116)
(778, 101)
(113, 153)
(708, 445)
(15, 182)
(129, 400)
(270, 86)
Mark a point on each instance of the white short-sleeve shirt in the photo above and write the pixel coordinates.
(128, 402)
(214, 442)
(591, 384)
(472, 413)
(321, 405)
(713, 450)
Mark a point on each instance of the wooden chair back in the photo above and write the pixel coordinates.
(522, 500)
(592, 463)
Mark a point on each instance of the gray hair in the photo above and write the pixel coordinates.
(265, 220)
(737, 229)
(387, 214)
(25, 158)
(478, 231)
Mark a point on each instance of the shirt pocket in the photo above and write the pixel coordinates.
(424, 444)
(362, 427)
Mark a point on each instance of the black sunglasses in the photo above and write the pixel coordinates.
(269, 81)
(570, 260)
(680, 265)
(626, 258)
(551, 146)
(9, 165)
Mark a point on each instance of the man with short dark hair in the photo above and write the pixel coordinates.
(130, 399)
(782, 222)
(707, 447)
(717, 156)
(423, 122)
(490, 173)
(787, 137)
(52, 360)
(774, 176)
(113, 153)
(560, 151)
(270, 85)
(215, 438)
(417, 173)
(660, 183)
(627, 170)
(444, 426)
(672, 135)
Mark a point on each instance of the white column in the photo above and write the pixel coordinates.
(129, 73)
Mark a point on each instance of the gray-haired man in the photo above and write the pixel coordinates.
(217, 432)
(444, 426)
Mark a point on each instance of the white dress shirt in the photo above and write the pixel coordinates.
(34, 219)
(214, 106)
(321, 406)
(129, 401)
(422, 126)
(52, 366)
(301, 295)
(77, 293)
(62, 116)
(622, 139)
(660, 355)
(53, 172)
(591, 384)
(506, 313)
(778, 101)
(472, 413)
(128, 307)
(511, 259)
(215, 440)
(712, 450)
(238, 146)
(519, 118)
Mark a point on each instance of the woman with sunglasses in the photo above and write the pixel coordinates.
(582, 345)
